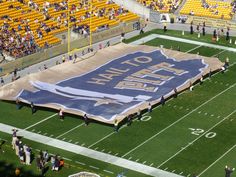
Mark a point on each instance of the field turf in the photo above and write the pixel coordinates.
(191, 134)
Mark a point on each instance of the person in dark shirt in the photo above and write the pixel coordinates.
(33, 109)
(163, 101)
(228, 171)
(86, 121)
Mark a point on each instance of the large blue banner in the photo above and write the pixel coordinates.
(117, 86)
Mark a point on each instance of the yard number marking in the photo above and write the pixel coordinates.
(199, 131)
(146, 118)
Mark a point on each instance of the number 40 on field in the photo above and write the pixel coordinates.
(198, 131)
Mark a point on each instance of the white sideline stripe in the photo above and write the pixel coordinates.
(217, 160)
(108, 158)
(70, 130)
(197, 138)
(178, 120)
(153, 36)
(40, 121)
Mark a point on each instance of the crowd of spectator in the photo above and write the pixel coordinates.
(25, 154)
(159, 5)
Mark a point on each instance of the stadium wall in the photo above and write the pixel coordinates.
(60, 49)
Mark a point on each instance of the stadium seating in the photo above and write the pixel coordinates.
(42, 20)
(208, 8)
(162, 6)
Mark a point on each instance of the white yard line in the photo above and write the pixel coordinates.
(40, 121)
(190, 143)
(218, 53)
(108, 158)
(217, 160)
(193, 49)
(104, 137)
(178, 120)
(70, 130)
(153, 36)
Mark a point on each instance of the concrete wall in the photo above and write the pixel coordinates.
(135, 7)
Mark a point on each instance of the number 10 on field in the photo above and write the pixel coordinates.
(199, 131)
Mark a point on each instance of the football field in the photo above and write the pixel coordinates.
(194, 133)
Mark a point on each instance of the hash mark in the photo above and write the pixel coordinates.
(80, 163)
(108, 171)
(93, 167)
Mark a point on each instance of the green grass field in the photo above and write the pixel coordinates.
(191, 134)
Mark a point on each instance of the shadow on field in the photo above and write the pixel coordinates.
(8, 170)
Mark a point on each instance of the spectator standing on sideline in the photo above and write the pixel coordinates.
(75, 58)
(191, 29)
(86, 121)
(149, 107)
(70, 57)
(201, 80)
(17, 144)
(227, 62)
(18, 104)
(45, 156)
(129, 121)
(28, 156)
(228, 171)
(33, 109)
(14, 138)
(63, 59)
(163, 101)
(61, 114)
(21, 156)
(45, 67)
(175, 92)
(139, 114)
(116, 125)
(203, 31)
(2, 81)
(165, 27)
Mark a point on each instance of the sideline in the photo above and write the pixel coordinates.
(141, 168)
(204, 44)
